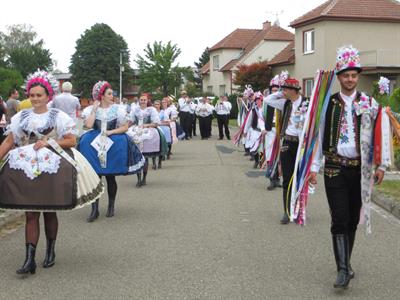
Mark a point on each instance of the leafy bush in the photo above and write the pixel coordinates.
(397, 158)
(9, 79)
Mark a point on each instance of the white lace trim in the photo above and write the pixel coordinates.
(32, 162)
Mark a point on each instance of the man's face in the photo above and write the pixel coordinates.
(274, 90)
(288, 93)
(348, 80)
(15, 95)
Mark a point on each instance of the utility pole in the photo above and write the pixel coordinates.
(121, 69)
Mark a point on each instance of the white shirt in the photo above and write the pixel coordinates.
(296, 120)
(192, 107)
(204, 109)
(67, 103)
(184, 104)
(223, 108)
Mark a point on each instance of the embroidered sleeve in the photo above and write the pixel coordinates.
(65, 125)
(155, 118)
(86, 112)
(15, 129)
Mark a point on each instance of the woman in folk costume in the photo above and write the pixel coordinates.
(165, 131)
(146, 118)
(44, 173)
(248, 95)
(106, 146)
(354, 126)
(294, 109)
(254, 128)
(170, 115)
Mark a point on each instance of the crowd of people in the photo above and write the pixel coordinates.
(46, 169)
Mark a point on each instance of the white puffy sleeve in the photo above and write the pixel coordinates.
(86, 112)
(155, 117)
(65, 125)
(14, 128)
(122, 116)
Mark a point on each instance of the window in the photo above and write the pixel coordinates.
(209, 89)
(216, 62)
(308, 41)
(308, 85)
(222, 90)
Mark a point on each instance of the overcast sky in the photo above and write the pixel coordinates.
(193, 25)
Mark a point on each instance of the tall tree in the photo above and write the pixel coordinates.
(203, 59)
(257, 75)
(97, 57)
(9, 79)
(158, 71)
(21, 50)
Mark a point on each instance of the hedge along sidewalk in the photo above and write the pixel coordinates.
(387, 194)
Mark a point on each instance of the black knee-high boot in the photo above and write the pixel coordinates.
(50, 257)
(341, 250)
(169, 151)
(159, 161)
(154, 163)
(144, 177)
(256, 160)
(29, 265)
(352, 236)
(95, 211)
(139, 180)
(110, 209)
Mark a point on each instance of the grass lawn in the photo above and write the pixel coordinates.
(232, 122)
(390, 188)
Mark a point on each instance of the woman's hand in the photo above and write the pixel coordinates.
(40, 144)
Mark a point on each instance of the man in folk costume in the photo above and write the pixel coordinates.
(270, 133)
(347, 140)
(294, 108)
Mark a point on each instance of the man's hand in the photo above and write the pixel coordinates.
(312, 178)
(379, 174)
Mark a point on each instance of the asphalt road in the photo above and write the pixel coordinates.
(204, 227)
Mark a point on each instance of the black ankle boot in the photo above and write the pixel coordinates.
(144, 178)
(50, 258)
(29, 265)
(352, 236)
(341, 250)
(95, 212)
(110, 209)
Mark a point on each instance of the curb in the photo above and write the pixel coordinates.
(387, 203)
(9, 217)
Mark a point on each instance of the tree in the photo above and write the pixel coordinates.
(20, 50)
(97, 56)
(204, 58)
(258, 75)
(9, 79)
(157, 69)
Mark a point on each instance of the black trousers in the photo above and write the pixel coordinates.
(205, 125)
(193, 124)
(186, 123)
(343, 190)
(288, 160)
(223, 121)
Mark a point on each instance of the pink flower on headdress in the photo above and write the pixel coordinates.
(383, 85)
(45, 79)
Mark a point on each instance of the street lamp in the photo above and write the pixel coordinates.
(121, 69)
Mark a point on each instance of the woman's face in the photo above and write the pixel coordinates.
(38, 97)
(143, 101)
(164, 103)
(259, 102)
(108, 96)
(157, 105)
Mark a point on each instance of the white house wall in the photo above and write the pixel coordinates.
(266, 50)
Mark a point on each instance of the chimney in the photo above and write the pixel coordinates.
(266, 25)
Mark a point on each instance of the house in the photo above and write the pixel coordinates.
(373, 27)
(242, 46)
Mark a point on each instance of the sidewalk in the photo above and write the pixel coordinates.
(385, 201)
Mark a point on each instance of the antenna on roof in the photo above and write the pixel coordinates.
(276, 14)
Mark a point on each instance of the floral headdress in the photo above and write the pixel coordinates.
(383, 85)
(274, 82)
(46, 80)
(248, 91)
(283, 76)
(347, 58)
(291, 83)
(99, 88)
(258, 95)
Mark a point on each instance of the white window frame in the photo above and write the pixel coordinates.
(308, 91)
(222, 89)
(216, 62)
(210, 89)
(308, 41)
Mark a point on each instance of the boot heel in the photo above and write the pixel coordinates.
(33, 271)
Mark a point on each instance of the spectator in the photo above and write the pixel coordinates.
(12, 104)
(67, 102)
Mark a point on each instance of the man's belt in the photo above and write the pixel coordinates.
(342, 161)
(291, 138)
